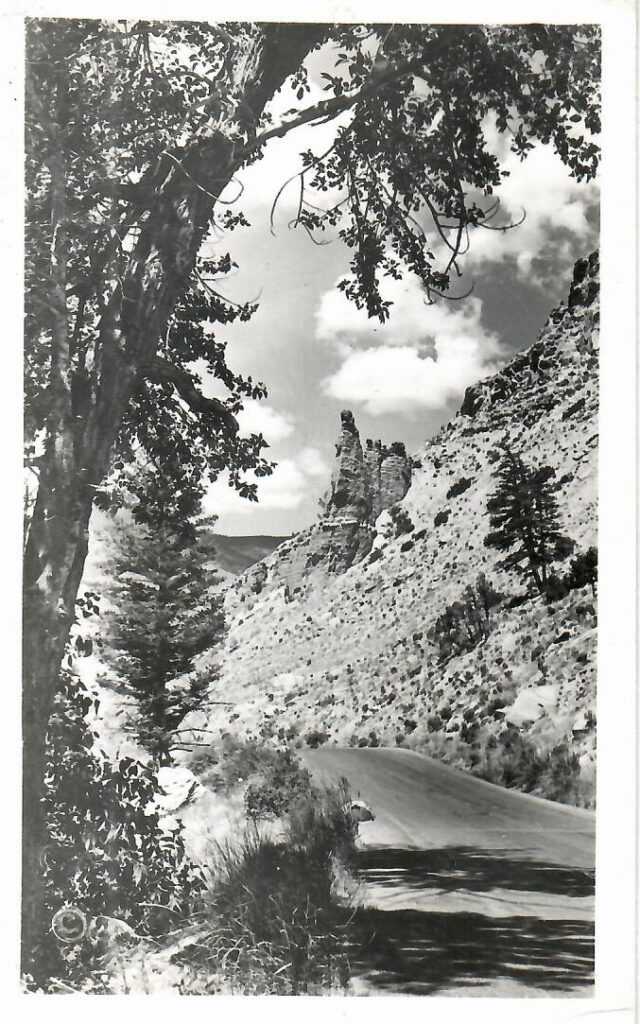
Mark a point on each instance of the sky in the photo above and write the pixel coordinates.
(318, 354)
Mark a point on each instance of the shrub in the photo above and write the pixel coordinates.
(401, 520)
(274, 925)
(583, 570)
(316, 738)
(459, 487)
(274, 922)
(278, 786)
(108, 855)
(463, 624)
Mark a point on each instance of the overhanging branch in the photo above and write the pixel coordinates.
(327, 109)
(164, 372)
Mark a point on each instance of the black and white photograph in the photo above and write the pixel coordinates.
(312, 677)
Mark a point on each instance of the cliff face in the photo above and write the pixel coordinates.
(355, 656)
(364, 483)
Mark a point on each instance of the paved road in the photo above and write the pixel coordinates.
(461, 844)
(465, 888)
(422, 804)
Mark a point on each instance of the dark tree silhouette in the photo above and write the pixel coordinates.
(525, 516)
(583, 570)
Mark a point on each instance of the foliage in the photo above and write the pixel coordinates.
(417, 144)
(515, 762)
(459, 487)
(465, 623)
(583, 570)
(164, 614)
(278, 787)
(230, 761)
(135, 132)
(275, 925)
(315, 738)
(525, 516)
(401, 521)
(274, 921)
(412, 159)
(108, 854)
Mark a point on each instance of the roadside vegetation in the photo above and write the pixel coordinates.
(131, 913)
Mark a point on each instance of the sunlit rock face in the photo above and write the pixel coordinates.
(364, 483)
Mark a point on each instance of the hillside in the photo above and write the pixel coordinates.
(331, 638)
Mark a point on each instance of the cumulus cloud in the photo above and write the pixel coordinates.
(258, 418)
(555, 205)
(423, 357)
(291, 481)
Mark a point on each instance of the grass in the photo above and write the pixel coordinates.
(276, 912)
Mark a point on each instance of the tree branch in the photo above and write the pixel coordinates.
(164, 372)
(327, 109)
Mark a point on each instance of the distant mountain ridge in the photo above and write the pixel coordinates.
(236, 554)
(319, 651)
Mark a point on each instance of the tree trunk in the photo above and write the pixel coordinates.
(77, 454)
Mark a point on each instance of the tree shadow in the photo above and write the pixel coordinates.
(423, 952)
(463, 868)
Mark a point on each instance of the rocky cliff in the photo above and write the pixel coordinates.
(339, 637)
(364, 483)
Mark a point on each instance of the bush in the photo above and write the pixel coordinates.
(275, 924)
(315, 738)
(401, 520)
(583, 570)
(466, 622)
(108, 856)
(277, 788)
(459, 487)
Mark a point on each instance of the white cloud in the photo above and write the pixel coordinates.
(423, 357)
(290, 483)
(258, 418)
(554, 203)
(403, 380)
(312, 462)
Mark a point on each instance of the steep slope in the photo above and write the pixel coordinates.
(344, 649)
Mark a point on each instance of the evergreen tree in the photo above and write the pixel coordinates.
(165, 613)
(525, 517)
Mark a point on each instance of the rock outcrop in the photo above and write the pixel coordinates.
(538, 367)
(364, 484)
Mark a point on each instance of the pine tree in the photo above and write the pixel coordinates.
(525, 516)
(165, 612)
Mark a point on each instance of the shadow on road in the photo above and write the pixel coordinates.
(425, 952)
(422, 953)
(469, 869)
